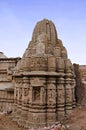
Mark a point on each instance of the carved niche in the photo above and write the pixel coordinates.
(36, 85)
(25, 94)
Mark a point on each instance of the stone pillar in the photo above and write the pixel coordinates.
(30, 93)
(15, 92)
(16, 112)
(43, 96)
(73, 92)
(51, 100)
(15, 98)
(68, 96)
(60, 98)
(37, 105)
(25, 92)
(20, 93)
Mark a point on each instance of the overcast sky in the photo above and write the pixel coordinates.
(19, 17)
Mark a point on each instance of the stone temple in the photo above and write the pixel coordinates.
(43, 80)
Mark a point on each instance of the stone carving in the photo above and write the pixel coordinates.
(60, 64)
(43, 95)
(51, 97)
(68, 97)
(51, 63)
(68, 65)
(26, 99)
(20, 94)
(16, 93)
(61, 96)
(40, 49)
(36, 93)
(36, 82)
(26, 91)
(57, 52)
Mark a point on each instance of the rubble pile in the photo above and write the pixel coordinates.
(55, 126)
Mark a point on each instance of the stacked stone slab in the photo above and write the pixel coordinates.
(43, 79)
(6, 87)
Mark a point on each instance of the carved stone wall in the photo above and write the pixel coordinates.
(7, 66)
(6, 100)
(44, 79)
(80, 70)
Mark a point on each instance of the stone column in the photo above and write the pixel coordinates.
(31, 95)
(68, 96)
(18, 96)
(15, 92)
(60, 98)
(73, 92)
(42, 96)
(22, 95)
(51, 100)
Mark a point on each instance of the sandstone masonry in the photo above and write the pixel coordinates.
(43, 80)
(6, 86)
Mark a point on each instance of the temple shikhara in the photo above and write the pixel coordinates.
(42, 81)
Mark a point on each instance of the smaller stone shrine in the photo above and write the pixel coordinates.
(44, 79)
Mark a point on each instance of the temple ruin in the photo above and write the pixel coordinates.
(6, 86)
(43, 80)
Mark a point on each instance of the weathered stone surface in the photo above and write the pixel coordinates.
(43, 79)
(80, 88)
(7, 66)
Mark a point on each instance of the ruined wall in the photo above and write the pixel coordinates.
(6, 86)
(6, 100)
(80, 86)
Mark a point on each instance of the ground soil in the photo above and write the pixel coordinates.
(7, 124)
(76, 120)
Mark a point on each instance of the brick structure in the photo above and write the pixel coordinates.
(43, 79)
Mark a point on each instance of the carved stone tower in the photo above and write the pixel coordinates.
(43, 79)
